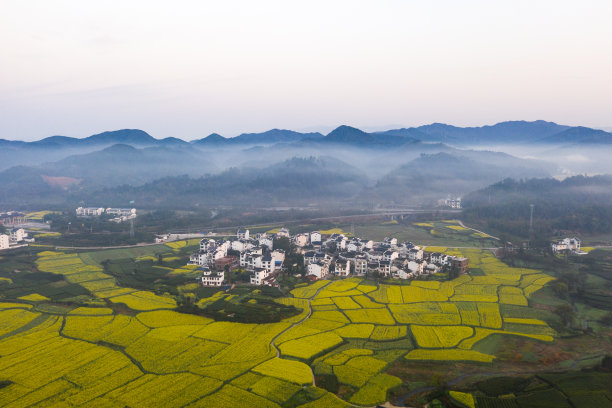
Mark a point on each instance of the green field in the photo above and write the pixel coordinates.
(97, 341)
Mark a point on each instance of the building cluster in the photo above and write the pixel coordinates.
(334, 254)
(119, 214)
(342, 256)
(453, 202)
(15, 236)
(254, 254)
(567, 245)
(12, 217)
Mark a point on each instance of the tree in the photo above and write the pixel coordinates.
(560, 288)
(160, 259)
(566, 313)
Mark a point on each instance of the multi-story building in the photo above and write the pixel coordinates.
(210, 278)
(4, 241)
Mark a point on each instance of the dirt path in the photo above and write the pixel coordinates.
(475, 230)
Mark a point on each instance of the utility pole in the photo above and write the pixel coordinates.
(530, 225)
(531, 220)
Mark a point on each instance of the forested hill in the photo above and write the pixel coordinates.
(580, 204)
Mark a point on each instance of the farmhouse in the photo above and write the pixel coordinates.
(17, 235)
(566, 244)
(210, 278)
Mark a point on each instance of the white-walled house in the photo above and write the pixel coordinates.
(258, 276)
(342, 268)
(4, 241)
(266, 241)
(318, 269)
(300, 240)
(17, 235)
(210, 278)
(415, 254)
(315, 237)
(242, 234)
(566, 244)
(361, 265)
(417, 267)
(283, 232)
(390, 255)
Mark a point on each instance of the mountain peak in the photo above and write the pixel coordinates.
(130, 136)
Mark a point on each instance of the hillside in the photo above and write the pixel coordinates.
(580, 204)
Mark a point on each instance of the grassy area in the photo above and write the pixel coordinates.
(364, 338)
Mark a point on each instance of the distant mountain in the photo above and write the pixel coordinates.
(580, 135)
(214, 139)
(501, 133)
(347, 135)
(265, 138)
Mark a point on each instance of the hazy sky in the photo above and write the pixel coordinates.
(189, 68)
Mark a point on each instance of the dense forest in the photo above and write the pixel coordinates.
(577, 204)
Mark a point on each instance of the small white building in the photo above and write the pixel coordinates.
(361, 266)
(17, 235)
(89, 212)
(266, 241)
(417, 267)
(242, 233)
(566, 244)
(315, 237)
(258, 276)
(210, 278)
(283, 232)
(129, 213)
(300, 240)
(415, 254)
(342, 268)
(4, 241)
(318, 269)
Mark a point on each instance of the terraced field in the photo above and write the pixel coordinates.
(154, 356)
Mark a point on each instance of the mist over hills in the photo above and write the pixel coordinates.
(413, 166)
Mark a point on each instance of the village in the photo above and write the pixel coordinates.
(324, 256)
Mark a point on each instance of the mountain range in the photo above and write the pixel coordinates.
(504, 132)
(415, 166)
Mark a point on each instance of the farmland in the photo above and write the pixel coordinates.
(122, 345)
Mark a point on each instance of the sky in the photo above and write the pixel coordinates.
(189, 68)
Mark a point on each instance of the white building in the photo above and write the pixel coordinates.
(417, 267)
(258, 276)
(415, 254)
(283, 232)
(89, 211)
(315, 237)
(242, 234)
(318, 269)
(342, 268)
(361, 265)
(4, 241)
(266, 241)
(300, 240)
(567, 244)
(122, 212)
(18, 235)
(210, 278)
